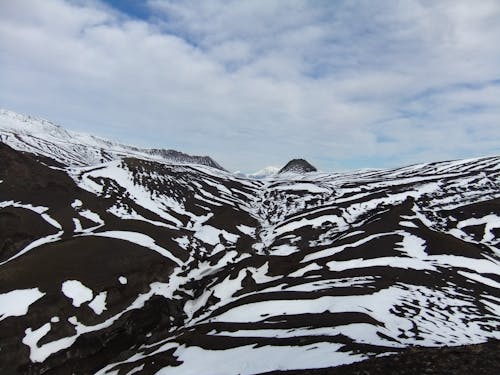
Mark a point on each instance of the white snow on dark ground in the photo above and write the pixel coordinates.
(263, 269)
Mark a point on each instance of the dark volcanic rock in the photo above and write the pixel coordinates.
(298, 166)
(480, 359)
(144, 265)
(181, 157)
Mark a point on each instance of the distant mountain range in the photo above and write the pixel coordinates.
(121, 260)
(71, 148)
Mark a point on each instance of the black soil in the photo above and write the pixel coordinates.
(480, 359)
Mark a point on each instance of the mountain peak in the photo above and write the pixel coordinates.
(298, 166)
(181, 156)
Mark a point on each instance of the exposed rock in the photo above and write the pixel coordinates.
(298, 166)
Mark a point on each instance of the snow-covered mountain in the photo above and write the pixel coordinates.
(71, 148)
(265, 172)
(136, 265)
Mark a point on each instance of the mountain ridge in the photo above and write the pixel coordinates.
(81, 148)
(137, 265)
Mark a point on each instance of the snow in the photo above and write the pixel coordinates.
(218, 186)
(317, 285)
(358, 332)
(309, 187)
(435, 328)
(51, 221)
(182, 241)
(408, 224)
(230, 237)
(229, 286)
(210, 198)
(337, 249)
(42, 211)
(211, 235)
(34, 245)
(135, 370)
(38, 353)
(493, 307)
(490, 222)
(137, 193)
(77, 203)
(349, 201)
(315, 222)
(264, 172)
(139, 239)
(249, 231)
(395, 262)
(78, 225)
(247, 360)
(283, 250)
(480, 279)
(129, 214)
(17, 302)
(78, 292)
(412, 245)
(31, 339)
(475, 265)
(98, 304)
(92, 216)
(42, 137)
(302, 271)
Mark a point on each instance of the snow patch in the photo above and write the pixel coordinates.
(98, 304)
(17, 302)
(77, 203)
(139, 239)
(78, 292)
(283, 250)
(249, 231)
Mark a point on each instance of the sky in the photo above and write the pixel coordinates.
(343, 84)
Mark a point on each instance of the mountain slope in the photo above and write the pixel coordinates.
(137, 266)
(298, 166)
(69, 148)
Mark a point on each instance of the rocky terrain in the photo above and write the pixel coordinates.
(479, 359)
(298, 166)
(127, 262)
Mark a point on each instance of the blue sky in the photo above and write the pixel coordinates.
(344, 84)
(133, 8)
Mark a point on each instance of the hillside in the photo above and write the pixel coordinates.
(132, 264)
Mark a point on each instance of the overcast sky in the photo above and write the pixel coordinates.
(344, 84)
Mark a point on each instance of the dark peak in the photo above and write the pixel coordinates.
(181, 157)
(298, 166)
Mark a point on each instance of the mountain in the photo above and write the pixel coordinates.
(70, 148)
(298, 166)
(138, 265)
(260, 174)
(265, 172)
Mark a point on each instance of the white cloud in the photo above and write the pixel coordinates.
(258, 82)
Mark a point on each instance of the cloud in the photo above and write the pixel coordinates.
(344, 84)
